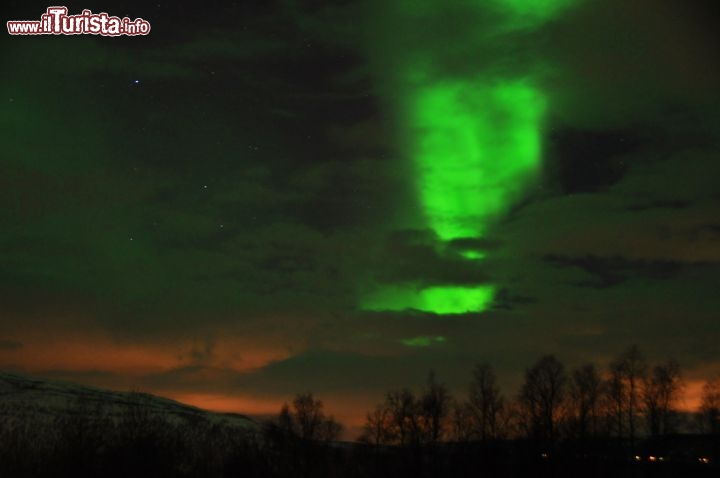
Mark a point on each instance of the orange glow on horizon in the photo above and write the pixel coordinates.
(95, 352)
(200, 372)
(691, 397)
(228, 403)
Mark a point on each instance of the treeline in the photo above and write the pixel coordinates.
(628, 400)
(621, 420)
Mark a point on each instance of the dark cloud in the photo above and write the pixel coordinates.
(10, 344)
(504, 300)
(416, 256)
(590, 160)
(632, 63)
(611, 271)
(659, 204)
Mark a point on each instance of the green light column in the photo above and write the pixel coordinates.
(475, 144)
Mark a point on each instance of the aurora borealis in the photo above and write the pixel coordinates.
(437, 299)
(475, 144)
(261, 198)
(476, 148)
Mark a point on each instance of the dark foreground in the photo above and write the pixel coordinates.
(61, 430)
(203, 449)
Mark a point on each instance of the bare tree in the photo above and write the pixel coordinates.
(285, 420)
(434, 407)
(401, 406)
(514, 421)
(617, 399)
(330, 429)
(541, 398)
(585, 393)
(308, 415)
(627, 373)
(660, 393)
(306, 419)
(486, 402)
(376, 430)
(709, 413)
(463, 417)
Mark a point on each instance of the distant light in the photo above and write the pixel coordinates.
(544, 455)
(704, 460)
(652, 458)
(637, 458)
(136, 82)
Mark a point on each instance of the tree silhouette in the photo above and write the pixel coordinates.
(462, 421)
(660, 393)
(401, 407)
(627, 373)
(709, 413)
(434, 408)
(541, 398)
(307, 421)
(486, 402)
(308, 415)
(376, 430)
(585, 393)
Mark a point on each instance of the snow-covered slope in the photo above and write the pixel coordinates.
(25, 397)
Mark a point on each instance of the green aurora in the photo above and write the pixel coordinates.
(527, 13)
(475, 144)
(476, 147)
(436, 299)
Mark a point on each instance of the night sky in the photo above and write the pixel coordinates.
(261, 198)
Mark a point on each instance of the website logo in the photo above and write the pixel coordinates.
(56, 21)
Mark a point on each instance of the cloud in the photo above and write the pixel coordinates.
(612, 271)
(628, 63)
(415, 256)
(10, 344)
